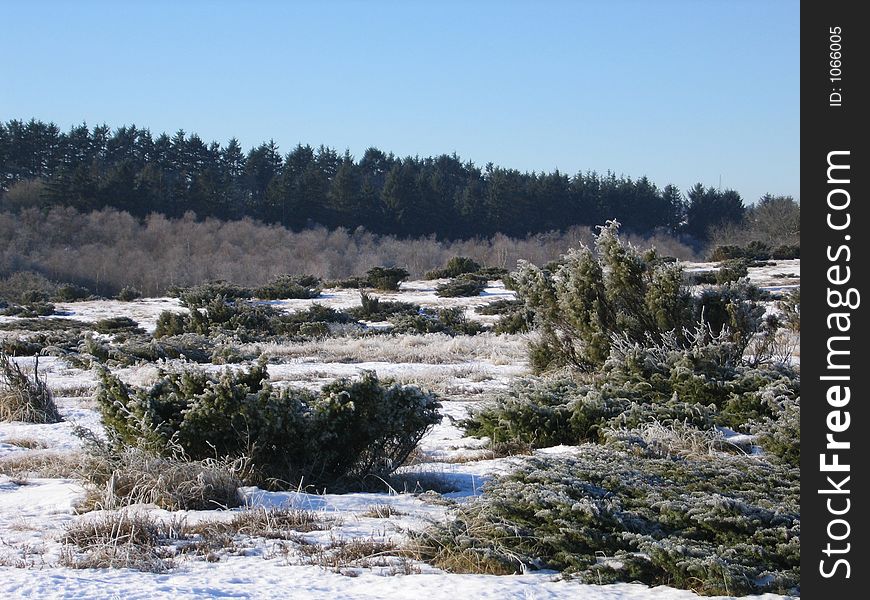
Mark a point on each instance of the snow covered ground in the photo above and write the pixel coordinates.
(35, 512)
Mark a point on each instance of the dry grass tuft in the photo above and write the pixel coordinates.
(42, 464)
(432, 348)
(134, 539)
(23, 398)
(22, 556)
(348, 556)
(135, 476)
(25, 442)
(674, 439)
(381, 511)
(278, 523)
(120, 540)
(449, 549)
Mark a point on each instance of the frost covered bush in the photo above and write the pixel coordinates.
(587, 297)
(519, 321)
(142, 348)
(206, 293)
(128, 294)
(514, 317)
(372, 308)
(386, 278)
(337, 437)
(25, 398)
(290, 286)
(313, 322)
(28, 311)
(734, 309)
(451, 321)
(117, 325)
(248, 322)
(704, 384)
(732, 270)
(54, 343)
(790, 307)
(540, 414)
(500, 307)
(717, 525)
(462, 286)
(780, 434)
(455, 267)
(217, 315)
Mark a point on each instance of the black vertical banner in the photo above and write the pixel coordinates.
(835, 424)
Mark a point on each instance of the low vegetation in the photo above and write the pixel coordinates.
(450, 321)
(704, 385)
(386, 279)
(372, 308)
(716, 525)
(25, 397)
(680, 404)
(348, 431)
(117, 474)
(589, 297)
(463, 285)
(657, 383)
(135, 539)
(288, 286)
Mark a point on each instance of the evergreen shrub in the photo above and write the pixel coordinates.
(451, 321)
(455, 267)
(386, 278)
(129, 293)
(716, 525)
(117, 325)
(588, 296)
(372, 308)
(790, 307)
(348, 431)
(462, 286)
(205, 294)
(290, 286)
(732, 270)
(704, 384)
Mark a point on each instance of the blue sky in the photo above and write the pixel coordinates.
(680, 91)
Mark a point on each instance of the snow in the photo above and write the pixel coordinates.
(34, 512)
(242, 577)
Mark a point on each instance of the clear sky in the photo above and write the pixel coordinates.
(680, 91)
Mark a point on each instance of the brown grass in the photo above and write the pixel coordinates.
(42, 464)
(346, 555)
(24, 442)
(137, 540)
(122, 476)
(25, 398)
(381, 511)
(120, 540)
(279, 523)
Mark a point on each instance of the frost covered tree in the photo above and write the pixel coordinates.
(590, 295)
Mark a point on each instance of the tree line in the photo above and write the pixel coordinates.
(106, 250)
(130, 170)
